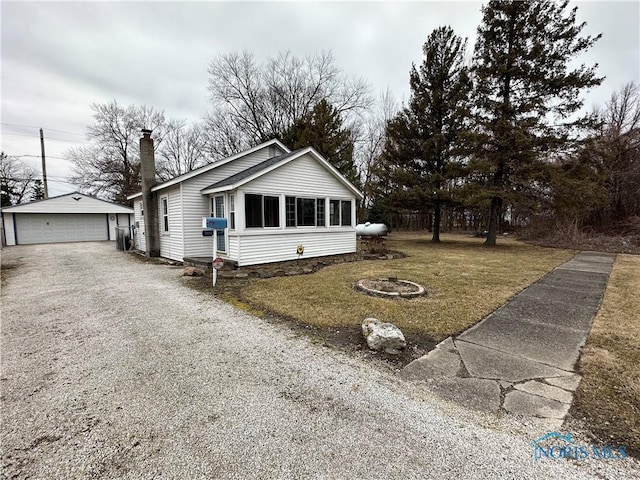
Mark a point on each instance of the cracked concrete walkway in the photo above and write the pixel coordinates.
(521, 358)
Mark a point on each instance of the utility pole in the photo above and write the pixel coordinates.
(44, 166)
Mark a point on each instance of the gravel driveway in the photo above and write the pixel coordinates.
(113, 368)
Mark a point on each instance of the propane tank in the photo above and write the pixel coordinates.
(371, 229)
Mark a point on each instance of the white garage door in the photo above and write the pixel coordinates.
(59, 227)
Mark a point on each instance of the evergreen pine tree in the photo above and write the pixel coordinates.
(526, 95)
(421, 154)
(37, 191)
(322, 129)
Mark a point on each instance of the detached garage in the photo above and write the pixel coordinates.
(73, 217)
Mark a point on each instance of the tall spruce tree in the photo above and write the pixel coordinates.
(526, 95)
(37, 190)
(323, 130)
(421, 154)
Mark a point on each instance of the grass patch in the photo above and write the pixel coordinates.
(464, 279)
(240, 305)
(609, 395)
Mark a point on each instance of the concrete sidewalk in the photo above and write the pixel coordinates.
(521, 358)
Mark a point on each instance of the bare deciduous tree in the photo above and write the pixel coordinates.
(371, 137)
(182, 150)
(618, 146)
(16, 180)
(256, 102)
(110, 163)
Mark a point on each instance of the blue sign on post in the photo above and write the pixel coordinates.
(214, 223)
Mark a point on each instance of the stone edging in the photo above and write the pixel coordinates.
(379, 293)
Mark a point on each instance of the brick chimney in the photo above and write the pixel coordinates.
(149, 199)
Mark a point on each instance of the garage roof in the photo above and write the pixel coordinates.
(75, 202)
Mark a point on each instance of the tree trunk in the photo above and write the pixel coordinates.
(494, 219)
(436, 224)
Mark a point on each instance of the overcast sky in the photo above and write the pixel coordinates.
(58, 58)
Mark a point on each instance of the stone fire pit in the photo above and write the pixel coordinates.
(390, 287)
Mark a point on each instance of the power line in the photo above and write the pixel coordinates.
(37, 156)
(53, 179)
(44, 128)
(38, 136)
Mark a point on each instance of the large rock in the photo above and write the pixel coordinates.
(384, 337)
(192, 272)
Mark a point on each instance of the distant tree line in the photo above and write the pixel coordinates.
(492, 142)
(18, 182)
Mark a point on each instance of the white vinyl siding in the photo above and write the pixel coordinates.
(195, 205)
(278, 246)
(303, 177)
(171, 240)
(234, 247)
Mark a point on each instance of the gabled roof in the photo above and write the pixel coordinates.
(211, 166)
(251, 173)
(63, 204)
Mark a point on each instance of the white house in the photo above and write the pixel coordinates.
(73, 217)
(274, 200)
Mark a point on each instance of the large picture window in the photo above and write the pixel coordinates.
(261, 211)
(305, 212)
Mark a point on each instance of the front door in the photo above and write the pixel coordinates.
(217, 210)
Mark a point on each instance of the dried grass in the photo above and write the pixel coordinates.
(609, 395)
(465, 281)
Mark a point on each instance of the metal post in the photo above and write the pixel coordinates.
(44, 166)
(215, 244)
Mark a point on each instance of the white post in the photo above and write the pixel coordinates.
(215, 244)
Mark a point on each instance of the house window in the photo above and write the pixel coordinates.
(217, 210)
(346, 213)
(141, 209)
(232, 212)
(290, 208)
(253, 210)
(164, 202)
(334, 212)
(340, 213)
(271, 212)
(305, 212)
(320, 218)
(261, 211)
